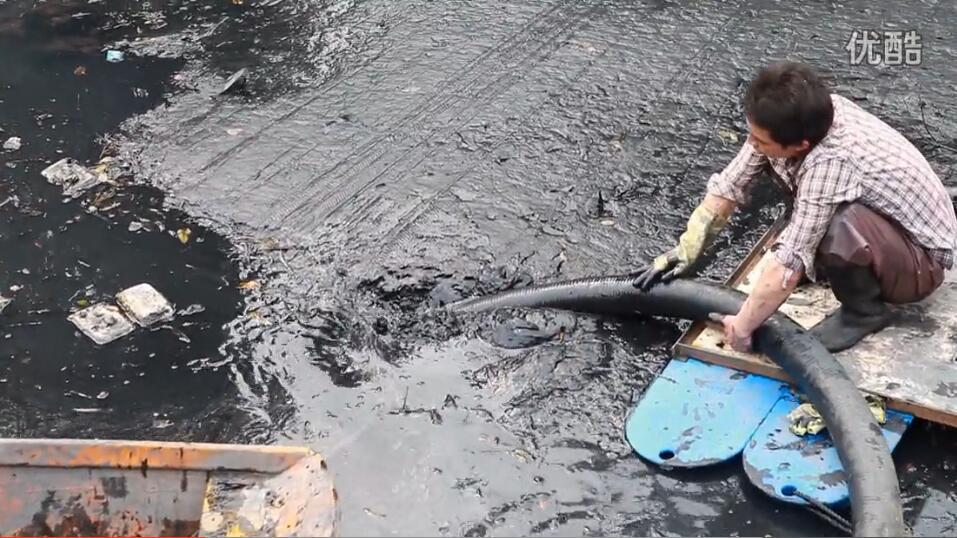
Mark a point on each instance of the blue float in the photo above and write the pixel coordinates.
(695, 413)
(782, 464)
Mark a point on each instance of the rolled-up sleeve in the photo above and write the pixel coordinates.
(737, 178)
(822, 187)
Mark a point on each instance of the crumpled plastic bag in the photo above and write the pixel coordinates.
(805, 419)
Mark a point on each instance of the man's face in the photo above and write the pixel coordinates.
(761, 139)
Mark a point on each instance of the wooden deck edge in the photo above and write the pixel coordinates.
(149, 455)
(774, 371)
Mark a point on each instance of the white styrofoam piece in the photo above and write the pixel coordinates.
(145, 305)
(102, 322)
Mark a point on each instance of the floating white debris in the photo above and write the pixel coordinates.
(71, 176)
(188, 311)
(12, 144)
(145, 305)
(4, 302)
(88, 410)
(103, 323)
(236, 82)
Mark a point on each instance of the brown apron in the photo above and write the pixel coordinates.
(859, 235)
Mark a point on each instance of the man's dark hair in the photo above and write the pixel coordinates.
(791, 101)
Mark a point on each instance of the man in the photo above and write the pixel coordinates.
(868, 213)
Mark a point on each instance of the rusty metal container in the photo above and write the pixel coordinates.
(66, 487)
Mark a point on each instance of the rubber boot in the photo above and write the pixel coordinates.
(862, 311)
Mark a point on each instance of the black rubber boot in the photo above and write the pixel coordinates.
(862, 311)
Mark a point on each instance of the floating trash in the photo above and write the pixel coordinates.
(12, 144)
(68, 173)
(188, 311)
(145, 305)
(102, 323)
(114, 56)
(109, 170)
(4, 302)
(236, 82)
(728, 136)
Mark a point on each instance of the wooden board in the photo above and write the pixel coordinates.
(912, 363)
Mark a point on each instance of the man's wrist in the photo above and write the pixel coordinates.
(765, 299)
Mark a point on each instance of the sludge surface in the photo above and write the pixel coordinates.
(456, 148)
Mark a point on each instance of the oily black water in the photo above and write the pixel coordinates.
(60, 96)
(379, 164)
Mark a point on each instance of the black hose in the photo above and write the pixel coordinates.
(872, 479)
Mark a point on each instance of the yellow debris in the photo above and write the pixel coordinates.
(805, 419)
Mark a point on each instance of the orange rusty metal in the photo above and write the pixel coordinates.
(118, 488)
(301, 501)
(153, 455)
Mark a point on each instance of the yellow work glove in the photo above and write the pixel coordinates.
(703, 226)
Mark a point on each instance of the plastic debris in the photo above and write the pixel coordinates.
(4, 302)
(190, 310)
(135, 226)
(183, 235)
(12, 144)
(236, 82)
(102, 323)
(109, 170)
(727, 135)
(145, 305)
(74, 178)
(114, 56)
(79, 71)
(805, 419)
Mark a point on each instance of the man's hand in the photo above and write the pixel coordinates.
(773, 287)
(703, 226)
(736, 334)
(662, 269)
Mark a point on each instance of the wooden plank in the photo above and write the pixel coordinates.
(912, 363)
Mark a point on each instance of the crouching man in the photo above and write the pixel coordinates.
(867, 211)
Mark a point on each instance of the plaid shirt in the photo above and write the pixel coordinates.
(861, 159)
